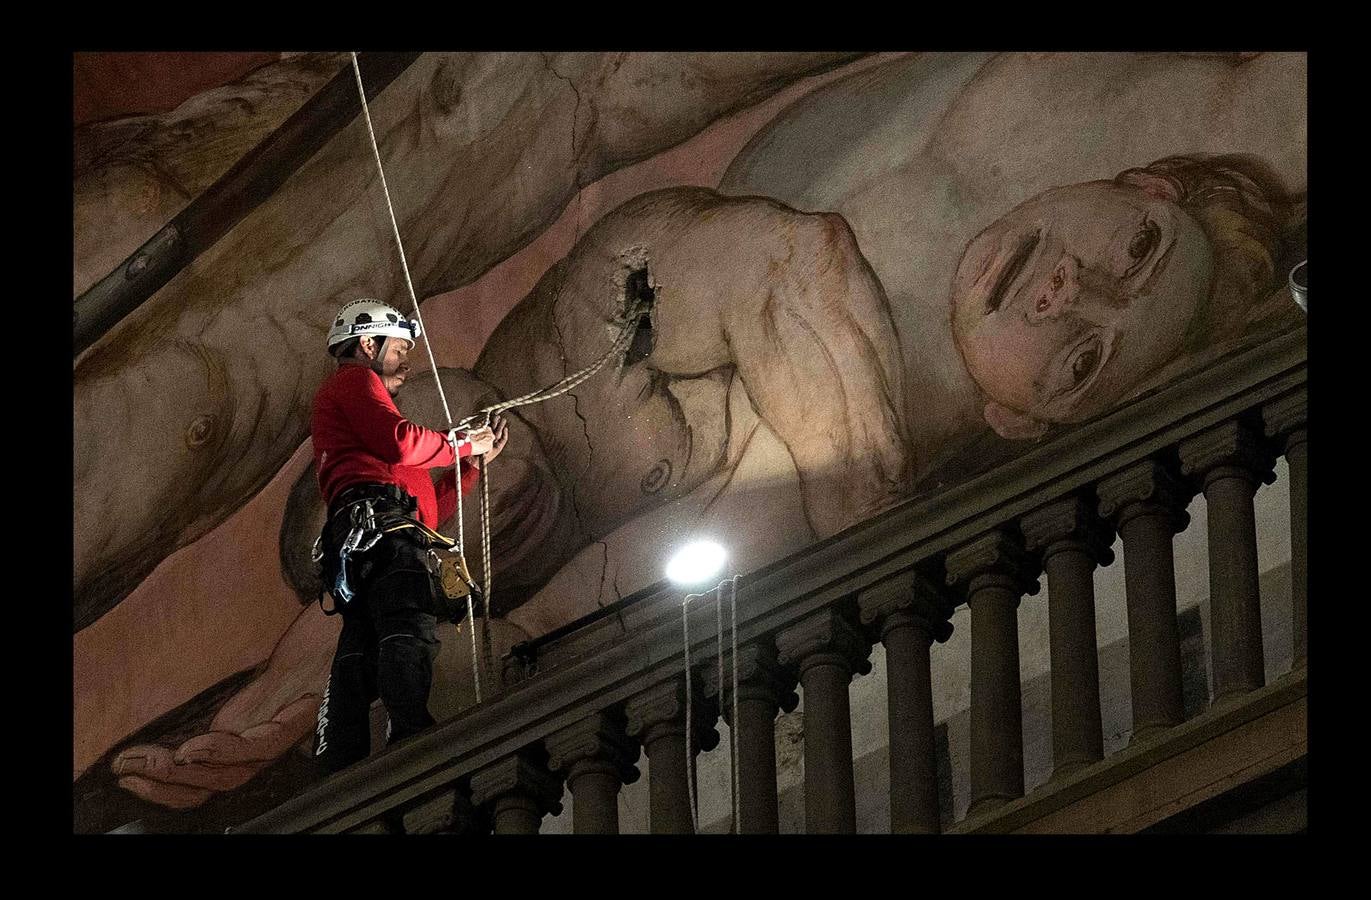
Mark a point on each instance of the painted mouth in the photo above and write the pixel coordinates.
(1009, 270)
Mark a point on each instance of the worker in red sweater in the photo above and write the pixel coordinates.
(375, 547)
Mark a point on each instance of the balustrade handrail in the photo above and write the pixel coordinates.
(587, 670)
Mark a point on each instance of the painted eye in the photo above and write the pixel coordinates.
(1143, 243)
(199, 431)
(1085, 363)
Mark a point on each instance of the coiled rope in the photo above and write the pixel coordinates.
(627, 323)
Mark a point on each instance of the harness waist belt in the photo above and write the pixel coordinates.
(372, 491)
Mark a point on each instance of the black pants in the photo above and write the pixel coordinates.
(387, 649)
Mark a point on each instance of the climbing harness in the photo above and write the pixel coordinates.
(718, 593)
(627, 323)
(368, 527)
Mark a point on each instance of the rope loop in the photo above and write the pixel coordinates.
(733, 737)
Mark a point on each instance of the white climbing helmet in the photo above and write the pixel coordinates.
(370, 318)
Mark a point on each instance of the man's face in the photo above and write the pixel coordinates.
(394, 367)
(1073, 297)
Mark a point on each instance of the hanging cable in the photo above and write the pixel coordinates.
(719, 637)
(395, 229)
(423, 333)
(735, 725)
(733, 731)
(690, 719)
(627, 323)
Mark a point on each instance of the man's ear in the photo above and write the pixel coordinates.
(1012, 424)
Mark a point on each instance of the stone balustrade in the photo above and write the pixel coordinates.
(602, 694)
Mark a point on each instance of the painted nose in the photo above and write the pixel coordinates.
(1056, 287)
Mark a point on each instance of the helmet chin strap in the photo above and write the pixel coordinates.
(377, 364)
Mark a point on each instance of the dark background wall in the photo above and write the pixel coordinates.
(106, 85)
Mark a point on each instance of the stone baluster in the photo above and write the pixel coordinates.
(1146, 502)
(1231, 460)
(996, 572)
(827, 650)
(517, 792)
(765, 688)
(910, 613)
(1072, 540)
(597, 756)
(657, 718)
(1285, 421)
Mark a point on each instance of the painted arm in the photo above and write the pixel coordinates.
(815, 347)
(788, 301)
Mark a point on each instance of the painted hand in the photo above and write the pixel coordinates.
(207, 764)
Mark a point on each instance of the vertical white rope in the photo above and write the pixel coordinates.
(719, 636)
(423, 333)
(395, 227)
(461, 527)
(485, 564)
(690, 721)
(733, 730)
(471, 625)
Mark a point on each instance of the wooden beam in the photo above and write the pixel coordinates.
(238, 192)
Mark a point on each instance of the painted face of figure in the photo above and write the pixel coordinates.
(394, 367)
(1072, 298)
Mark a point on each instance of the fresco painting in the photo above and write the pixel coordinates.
(915, 265)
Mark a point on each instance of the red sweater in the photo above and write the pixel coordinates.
(359, 436)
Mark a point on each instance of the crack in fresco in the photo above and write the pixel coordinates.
(604, 570)
(618, 595)
(571, 484)
(575, 112)
(578, 179)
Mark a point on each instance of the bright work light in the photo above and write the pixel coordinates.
(696, 562)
